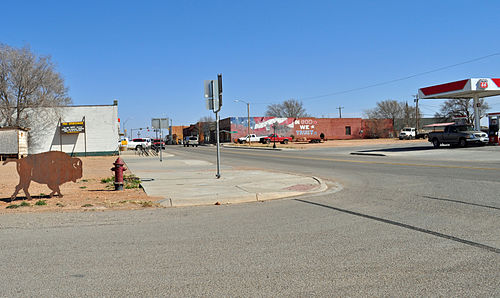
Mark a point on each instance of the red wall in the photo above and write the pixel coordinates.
(333, 128)
(377, 128)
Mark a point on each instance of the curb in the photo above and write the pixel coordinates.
(253, 197)
(256, 148)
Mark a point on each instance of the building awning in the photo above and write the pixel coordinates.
(439, 124)
(469, 88)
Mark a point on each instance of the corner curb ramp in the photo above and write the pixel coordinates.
(219, 198)
(181, 181)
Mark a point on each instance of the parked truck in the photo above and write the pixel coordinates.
(461, 135)
(249, 138)
(139, 143)
(275, 138)
(408, 133)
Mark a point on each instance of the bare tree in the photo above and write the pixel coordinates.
(291, 108)
(207, 119)
(461, 107)
(27, 81)
(204, 128)
(387, 109)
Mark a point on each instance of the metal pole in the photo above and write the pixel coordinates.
(274, 127)
(416, 113)
(60, 134)
(161, 140)
(218, 149)
(477, 118)
(248, 130)
(85, 133)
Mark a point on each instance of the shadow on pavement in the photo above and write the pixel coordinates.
(400, 149)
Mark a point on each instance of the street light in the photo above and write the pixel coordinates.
(124, 123)
(248, 118)
(274, 136)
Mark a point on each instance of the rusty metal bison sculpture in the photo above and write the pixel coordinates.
(53, 168)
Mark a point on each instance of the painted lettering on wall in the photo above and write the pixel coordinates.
(307, 127)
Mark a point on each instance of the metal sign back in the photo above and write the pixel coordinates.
(158, 123)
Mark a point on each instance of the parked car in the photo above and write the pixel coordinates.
(191, 141)
(158, 143)
(249, 138)
(461, 135)
(139, 143)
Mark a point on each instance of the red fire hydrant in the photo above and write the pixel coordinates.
(119, 169)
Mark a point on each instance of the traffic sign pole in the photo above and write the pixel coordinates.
(213, 94)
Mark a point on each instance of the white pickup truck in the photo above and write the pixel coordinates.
(249, 138)
(137, 144)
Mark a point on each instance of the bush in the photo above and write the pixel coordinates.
(41, 203)
(24, 204)
(107, 180)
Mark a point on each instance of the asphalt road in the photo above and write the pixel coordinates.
(409, 224)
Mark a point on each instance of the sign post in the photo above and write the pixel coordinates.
(158, 123)
(213, 94)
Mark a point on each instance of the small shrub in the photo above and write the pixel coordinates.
(59, 205)
(147, 204)
(24, 204)
(41, 203)
(132, 181)
(107, 180)
(83, 187)
(84, 180)
(12, 206)
(42, 194)
(87, 205)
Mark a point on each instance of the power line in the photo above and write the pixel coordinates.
(404, 78)
(394, 80)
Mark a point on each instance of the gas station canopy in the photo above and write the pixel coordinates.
(469, 88)
(474, 88)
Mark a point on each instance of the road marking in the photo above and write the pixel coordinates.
(399, 224)
(373, 162)
(461, 202)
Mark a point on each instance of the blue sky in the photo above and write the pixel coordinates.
(154, 55)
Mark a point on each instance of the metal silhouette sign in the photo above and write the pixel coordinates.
(52, 168)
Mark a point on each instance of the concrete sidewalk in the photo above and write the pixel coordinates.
(189, 182)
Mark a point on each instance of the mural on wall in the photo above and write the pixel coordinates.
(306, 128)
(261, 126)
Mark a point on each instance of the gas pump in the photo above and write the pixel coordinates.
(493, 127)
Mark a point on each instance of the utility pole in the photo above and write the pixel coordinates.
(416, 113)
(407, 115)
(340, 111)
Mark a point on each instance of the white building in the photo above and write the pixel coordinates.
(100, 135)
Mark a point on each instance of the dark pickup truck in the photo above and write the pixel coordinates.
(458, 135)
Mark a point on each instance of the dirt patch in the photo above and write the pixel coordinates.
(335, 143)
(88, 193)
